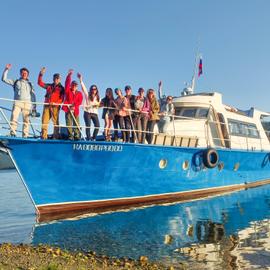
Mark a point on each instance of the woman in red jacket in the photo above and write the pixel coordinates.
(74, 98)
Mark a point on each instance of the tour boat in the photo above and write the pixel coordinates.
(209, 148)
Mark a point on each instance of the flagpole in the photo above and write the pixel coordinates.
(189, 89)
(196, 68)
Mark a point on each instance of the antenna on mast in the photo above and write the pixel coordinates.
(189, 90)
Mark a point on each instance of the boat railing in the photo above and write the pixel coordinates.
(176, 136)
(37, 124)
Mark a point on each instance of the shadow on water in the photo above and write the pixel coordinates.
(218, 232)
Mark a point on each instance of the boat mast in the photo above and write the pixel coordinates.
(189, 90)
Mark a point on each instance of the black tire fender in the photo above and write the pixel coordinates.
(210, 158)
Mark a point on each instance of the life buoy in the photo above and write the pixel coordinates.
(210, 158)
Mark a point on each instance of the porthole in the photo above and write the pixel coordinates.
(163, 163)
(185, 165)
(220, 166)
(236, 166)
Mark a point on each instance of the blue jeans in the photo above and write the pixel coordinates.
(88, 117)
(149, 131)
(119, 122)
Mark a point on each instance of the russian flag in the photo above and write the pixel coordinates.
(200, 68)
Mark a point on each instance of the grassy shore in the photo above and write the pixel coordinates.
(42, 257)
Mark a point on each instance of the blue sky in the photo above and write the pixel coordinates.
(114, 43)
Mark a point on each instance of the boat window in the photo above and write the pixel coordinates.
(192, 112)
(234, 128)
(189, 112)
(266, 126)
(252, 131)
(243, 129)
(202, 113)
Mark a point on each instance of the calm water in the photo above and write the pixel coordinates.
(224, 232)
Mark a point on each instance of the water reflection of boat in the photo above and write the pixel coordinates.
(217, 224)
(246, 249)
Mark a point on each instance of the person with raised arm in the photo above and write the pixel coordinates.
(24, 95)
(54, 97)
(166, 114)
(90, 106)
(73, 100)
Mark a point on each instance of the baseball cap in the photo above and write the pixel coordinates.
(56, 76)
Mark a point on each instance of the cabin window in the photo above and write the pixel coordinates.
(192, 112)
(234, 128)
(202, 112)
(243, 129)
(252, 131)
(189, 112)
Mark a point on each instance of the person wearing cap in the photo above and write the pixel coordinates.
(90, 106)
(24, 95)
(71, 107)
(130, 117)
(120, 113)
(142, 105)
(53, 98)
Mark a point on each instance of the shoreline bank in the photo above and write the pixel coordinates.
(45, 257)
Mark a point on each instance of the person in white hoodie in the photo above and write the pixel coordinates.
(90, 106)
(24, 95)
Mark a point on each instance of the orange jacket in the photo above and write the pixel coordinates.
(54, 93)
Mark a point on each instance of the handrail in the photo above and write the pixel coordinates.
(208, 138)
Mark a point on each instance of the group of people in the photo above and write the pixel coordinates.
(135, 116)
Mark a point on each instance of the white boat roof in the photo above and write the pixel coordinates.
(215, 99)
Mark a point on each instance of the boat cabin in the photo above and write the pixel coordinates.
(204, 116)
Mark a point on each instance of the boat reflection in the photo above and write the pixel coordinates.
(207, 233)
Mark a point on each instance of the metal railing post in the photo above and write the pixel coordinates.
(174, 131)
(4, 116)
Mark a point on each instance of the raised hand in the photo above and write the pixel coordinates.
(79, 75)
(70, 71)
(8, 66)
(43, 70)
(160, 84)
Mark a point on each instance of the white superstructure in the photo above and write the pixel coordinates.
(204, 116)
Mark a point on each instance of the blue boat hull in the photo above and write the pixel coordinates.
(68, 172)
